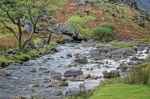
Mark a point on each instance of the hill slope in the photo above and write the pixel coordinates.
(129, 22)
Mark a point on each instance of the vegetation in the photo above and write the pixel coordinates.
(122, 91)
(16, 12)
(105, 32)
(5, 60)
(121, 44)
(140, 76)
(77, 23)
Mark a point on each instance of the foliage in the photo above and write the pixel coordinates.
(105, 32)
(139, 76)
(77, 23)
(16, 12)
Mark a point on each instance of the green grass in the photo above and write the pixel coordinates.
(139, 76)
(121, 44)
(24, 56)
(122, 91)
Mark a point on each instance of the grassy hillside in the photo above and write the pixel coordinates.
(127, 20)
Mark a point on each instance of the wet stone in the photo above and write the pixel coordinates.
(4, 73)
(33, 70)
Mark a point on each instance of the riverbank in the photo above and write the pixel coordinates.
(12, 55)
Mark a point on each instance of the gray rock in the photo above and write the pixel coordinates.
(43, 68)
(69, 55)
(11, 51)
(73, 73)
(4, 73)
(33, 70)
(58, 93)
(82, 60)
(111, 74)
(65, 29)
(56, 75)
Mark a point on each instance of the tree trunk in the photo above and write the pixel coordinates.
(19, 35)
(49, 38)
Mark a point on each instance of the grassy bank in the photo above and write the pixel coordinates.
(122, 91)
(20, 57)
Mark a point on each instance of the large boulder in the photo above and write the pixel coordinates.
(65, 29)
(111, 74)
(73, 73)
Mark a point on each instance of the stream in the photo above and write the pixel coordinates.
(45, 76)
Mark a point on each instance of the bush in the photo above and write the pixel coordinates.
(139, 76)
(105, 32)
(77, 23)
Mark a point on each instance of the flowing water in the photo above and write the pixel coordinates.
(22, 80)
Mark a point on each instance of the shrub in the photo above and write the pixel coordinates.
(77, 23)
(139, 76)
(105, 32)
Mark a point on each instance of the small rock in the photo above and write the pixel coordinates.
(81, 60)
(87, 76)
(33, 70)
(47, 71)
(11, 51)
(4, 73)
(134, 58)
(34, 85)
(54, 50)
(69, 55)
(58, 93)
(111, 74)
(49, 85)
(56, 75)
(93, 77)
(63, 83)
(43, 68)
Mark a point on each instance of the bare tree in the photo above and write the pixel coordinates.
(13, 12)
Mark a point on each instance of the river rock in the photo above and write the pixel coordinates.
(58, 93)
(62, 83)
(111, 74)
(4, 73)
(56, 75)
(82, 60)
(42, 69)
(73, 73)
(69, 55)
(33, 70)
(49, 85)
(134, 58)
